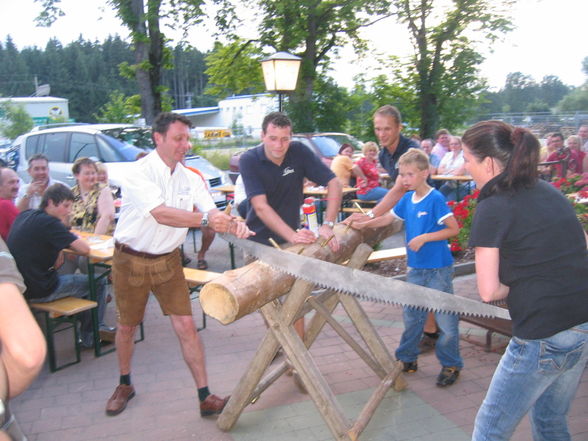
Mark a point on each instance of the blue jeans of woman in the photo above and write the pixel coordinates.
(76, 285)
(375, 194)
(447, 346)
(537, 375)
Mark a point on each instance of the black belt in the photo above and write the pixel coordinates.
(128, 250)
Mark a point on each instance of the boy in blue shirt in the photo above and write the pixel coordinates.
(428, 224)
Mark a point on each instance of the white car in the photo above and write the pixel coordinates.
(113, 144)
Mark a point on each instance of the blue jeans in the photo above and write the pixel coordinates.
(537, 375)
(77, 285)
(447, 346)
(375, 194)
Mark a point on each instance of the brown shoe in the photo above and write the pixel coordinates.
(213, 405)
(119, 399)
(107, 335)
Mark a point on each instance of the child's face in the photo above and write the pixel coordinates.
(412, 177)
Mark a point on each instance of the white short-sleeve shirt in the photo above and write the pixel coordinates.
(149, 184)
(35, 199)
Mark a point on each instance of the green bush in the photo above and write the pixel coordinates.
(218, 158)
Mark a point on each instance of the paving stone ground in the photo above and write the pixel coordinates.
(69, 404)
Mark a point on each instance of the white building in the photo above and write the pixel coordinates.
(43, 108)
(241, 114)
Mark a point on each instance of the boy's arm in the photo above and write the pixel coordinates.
(374, 223)
(451, 229)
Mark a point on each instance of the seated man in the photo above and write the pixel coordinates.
(9, 184)
(29, 195)
(36, 241)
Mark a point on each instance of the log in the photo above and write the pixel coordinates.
(240, 292)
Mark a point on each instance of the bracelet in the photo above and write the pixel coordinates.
(370, 214)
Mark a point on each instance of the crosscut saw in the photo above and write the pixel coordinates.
(364, 285)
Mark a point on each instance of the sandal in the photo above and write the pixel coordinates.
(202, 264)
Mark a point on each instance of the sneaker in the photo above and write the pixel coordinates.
(119, 399)
(448, 376)
(212, 405)
(410, 367)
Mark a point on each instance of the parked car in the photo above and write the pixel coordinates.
(113, 144)
(325, 145)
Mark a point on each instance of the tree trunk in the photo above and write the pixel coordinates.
(242, 291)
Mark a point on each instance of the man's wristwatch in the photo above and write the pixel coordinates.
(370, 214)
(329, 224)
(204, 221)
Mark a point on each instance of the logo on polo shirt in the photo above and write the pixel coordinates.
(287, 171)
(421, 214)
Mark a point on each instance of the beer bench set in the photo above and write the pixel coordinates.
(64, 311)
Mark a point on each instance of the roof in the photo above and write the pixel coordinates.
(198, 111)
(34, 99)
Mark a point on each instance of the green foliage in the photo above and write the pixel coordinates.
(144, 19)
(311, 29)
(330, 105)
(14, 120)
(218, 158)
(118, 109)
(234, 69)
(443, 71)
(576, 100)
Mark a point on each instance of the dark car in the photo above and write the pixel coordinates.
(325, 145)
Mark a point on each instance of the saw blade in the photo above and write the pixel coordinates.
(364, 285)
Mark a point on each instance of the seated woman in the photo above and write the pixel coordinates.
(92, 211)
(93, 207)
(344, 168)
(574, 143)
(369, 189)
(452, 165)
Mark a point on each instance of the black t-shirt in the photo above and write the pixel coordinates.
(390, 161)
(543, 257)
(35, 241)
(282, 185)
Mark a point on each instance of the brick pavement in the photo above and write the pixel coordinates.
(69, 404)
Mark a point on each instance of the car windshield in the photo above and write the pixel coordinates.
(327, 145)
(342, 139)
(138, 136)
(121, 151)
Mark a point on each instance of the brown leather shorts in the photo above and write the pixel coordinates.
(135, 277)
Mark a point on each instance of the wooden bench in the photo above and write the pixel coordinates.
(387, 254)
(492, 325)
(195, 279)
(56, 313)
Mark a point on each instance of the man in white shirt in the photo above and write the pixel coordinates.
(158, 197)
(441, 148)
(29, 195)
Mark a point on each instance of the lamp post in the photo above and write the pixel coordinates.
(280, 73)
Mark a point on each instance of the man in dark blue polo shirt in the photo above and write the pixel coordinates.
(387, 127)
(273, 174)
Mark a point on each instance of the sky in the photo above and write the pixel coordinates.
(550, 38)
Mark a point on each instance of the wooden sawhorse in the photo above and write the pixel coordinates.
(281, 333)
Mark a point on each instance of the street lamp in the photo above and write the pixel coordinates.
(280, 73)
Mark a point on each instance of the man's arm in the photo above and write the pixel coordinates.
(80, 246)
(23, 345)
(383, 207)
(218, 221)
(274, 222)
(334, 195)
